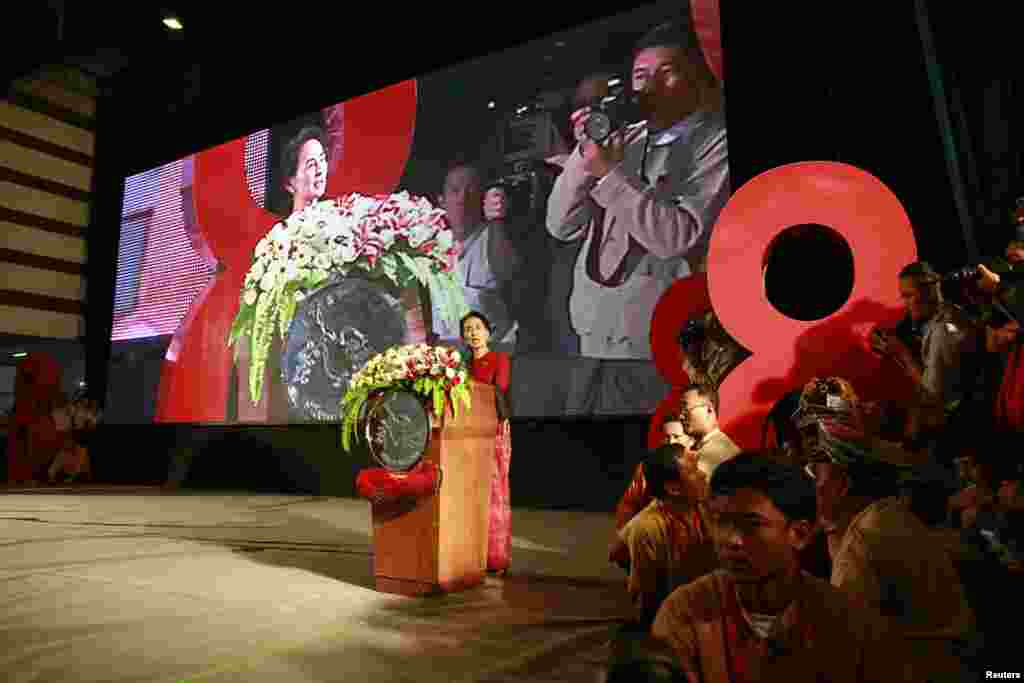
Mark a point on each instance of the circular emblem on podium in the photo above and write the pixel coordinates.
(396, 427)
(336, 330)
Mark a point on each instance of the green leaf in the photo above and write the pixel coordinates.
(454, 405)
(287, 313)
(388, 266)
(438, 401)
(262, 335)
(412, 267)
(242, 325)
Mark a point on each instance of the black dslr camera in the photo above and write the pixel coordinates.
(962, 276)
(612, 113)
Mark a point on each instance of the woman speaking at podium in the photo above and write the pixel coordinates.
(495, 368)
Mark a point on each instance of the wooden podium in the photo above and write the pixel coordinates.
(439, 544)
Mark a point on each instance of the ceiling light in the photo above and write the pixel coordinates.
(491, 104)
(172, 22)
(20, 354)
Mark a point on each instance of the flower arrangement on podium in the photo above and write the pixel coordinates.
(435, 373)
(399, 237)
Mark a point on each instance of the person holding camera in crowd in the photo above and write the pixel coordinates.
(642, 198)
(488, 260)
(945, 373)
(1003, 336)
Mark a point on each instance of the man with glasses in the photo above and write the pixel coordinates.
(699, 415)
(641, 203)
(759, 617)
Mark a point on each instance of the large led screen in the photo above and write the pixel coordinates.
(565, 246)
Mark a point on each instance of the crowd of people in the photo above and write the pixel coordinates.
(48, 431)
(864, 540)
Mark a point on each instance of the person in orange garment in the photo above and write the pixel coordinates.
(886, 558)
(34, 439)
(669, 542)
(495, 368)
(759, 617)
(637, 497)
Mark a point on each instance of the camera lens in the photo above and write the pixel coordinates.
(598, 126)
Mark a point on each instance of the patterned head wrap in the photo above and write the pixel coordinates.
(829, 397)
(832, 406)
(849, 447)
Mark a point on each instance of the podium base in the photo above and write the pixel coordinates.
(385, 584)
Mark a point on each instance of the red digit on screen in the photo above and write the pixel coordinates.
(788, 352)
(685, 299)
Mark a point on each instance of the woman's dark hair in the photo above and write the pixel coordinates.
(783, 483)
(662, 466)
(290, 156)
(479, 316)
(780, 417)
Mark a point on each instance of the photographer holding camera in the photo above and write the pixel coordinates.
(946, 371)
(1006, 338)
(642, 197)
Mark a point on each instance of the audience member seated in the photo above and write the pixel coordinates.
(33, 439)
(1004, 337)
(984, 468)
(760, 618)
(75, 422)
(782, 419)
(991, 508)
(638, 658)
(700, 420)
(884, 556)
(637, 497)
(835, 401)
(669, 544)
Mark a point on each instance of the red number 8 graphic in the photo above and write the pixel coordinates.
(788, 352)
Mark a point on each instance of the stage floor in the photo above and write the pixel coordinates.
(138, 584)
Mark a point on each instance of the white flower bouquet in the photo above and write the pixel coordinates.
(436, 373)
(400, 237)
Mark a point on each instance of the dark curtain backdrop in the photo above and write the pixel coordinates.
(850, 82)
(980, 60)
